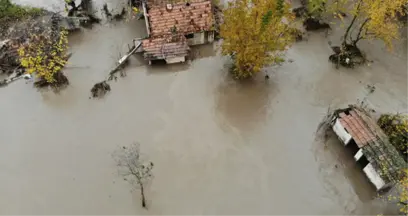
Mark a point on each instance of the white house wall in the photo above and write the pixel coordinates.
(374, 177)
(358, 155)
(210, 38)
(199, 38)
(341, 132)
(175, 60)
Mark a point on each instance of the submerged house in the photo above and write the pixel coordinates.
(173, 26)
(378, 158)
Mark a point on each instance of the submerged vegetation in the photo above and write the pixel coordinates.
(45, 56)
(396, 128)
(371, 19)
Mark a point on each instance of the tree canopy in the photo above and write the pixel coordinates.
(396, 128)
(375, 19)
(254, 31)
(44, 55)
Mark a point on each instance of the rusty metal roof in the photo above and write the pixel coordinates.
(196, 16)
(165, 47)
(356, 128)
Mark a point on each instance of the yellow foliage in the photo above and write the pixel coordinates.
(254, 31)
(376, 19)
(402, 197)
(43, 57)
(396, 128)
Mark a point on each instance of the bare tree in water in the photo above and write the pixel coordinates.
(134, 169)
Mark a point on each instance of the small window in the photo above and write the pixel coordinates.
(190, 36)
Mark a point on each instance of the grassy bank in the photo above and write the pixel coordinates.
(11, 12)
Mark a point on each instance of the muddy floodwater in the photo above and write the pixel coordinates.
(219, 147)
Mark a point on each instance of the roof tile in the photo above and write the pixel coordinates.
(165, 47)
(357, 128)
(186, 19)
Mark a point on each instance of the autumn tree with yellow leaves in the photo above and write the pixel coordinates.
(254, 33)
(44, 55)
(402, 197)
(373, 19)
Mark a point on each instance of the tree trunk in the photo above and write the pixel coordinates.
(351, 24)
(143, 196)
(359, 37)
(348, 30)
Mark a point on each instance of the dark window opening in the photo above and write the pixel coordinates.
(362, 162)
(352, 147)
(190, 36)
(188, 4)
(158, 62)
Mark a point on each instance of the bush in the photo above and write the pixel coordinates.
(10, 11)
(396, 128)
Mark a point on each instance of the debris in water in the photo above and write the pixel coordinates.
(106, 11)
(312, 24)
(300, 12)
(100, 89)
(120, 16)
(371, 88)
(347, 56)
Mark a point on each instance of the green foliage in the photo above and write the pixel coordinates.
(316, 7)
(10, 11)
(280, 7)
(396, 128)
(403, 194)
(266, 19)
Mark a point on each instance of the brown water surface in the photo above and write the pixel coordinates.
(219, 147)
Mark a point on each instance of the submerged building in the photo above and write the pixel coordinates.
(377, 157)
(174, 26)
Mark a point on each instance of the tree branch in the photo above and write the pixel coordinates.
(352, 23)
(359, 36)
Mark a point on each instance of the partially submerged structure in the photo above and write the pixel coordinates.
(173, 26)
(378, 158)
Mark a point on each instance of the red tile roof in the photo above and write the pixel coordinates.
(186, 19)
(165, 47)
(360, 130)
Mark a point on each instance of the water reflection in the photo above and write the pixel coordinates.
(243, 104)
(196, 53)
(202, 51)
(339, 170)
